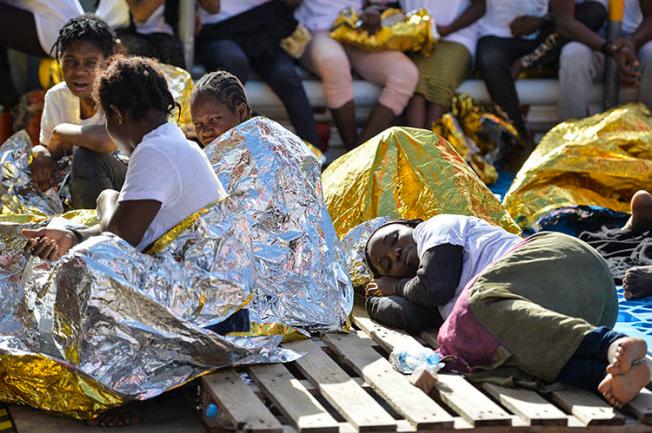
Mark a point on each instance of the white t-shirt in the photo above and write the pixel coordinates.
(155, 23)
(500, 13)
(633, 16)
(483, 244)
(49, 16)
(445, 12)
(61, 106)
(114, 12)
(319, 15)
(228, 9)
(174, 171)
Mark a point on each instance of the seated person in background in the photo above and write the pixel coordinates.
(218, 103)
(637, 282)
(148, 27)
(509, 30)
(582, 62)
(168, 179)
(71, 123)
(444, 70)
(518, 304)
(245, 35)
(29, 26)
(393, 71)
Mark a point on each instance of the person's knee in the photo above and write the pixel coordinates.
(86, 163)
(491, 56)
(226, 55)
(404, 81)
(575, 56)
(333, 65)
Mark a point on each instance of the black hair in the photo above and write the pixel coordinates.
(410, 223)
(224, 86)
(134, 85)
(88, 28)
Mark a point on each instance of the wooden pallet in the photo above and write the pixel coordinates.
(345, 384)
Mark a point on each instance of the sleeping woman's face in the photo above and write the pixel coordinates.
(393, 252)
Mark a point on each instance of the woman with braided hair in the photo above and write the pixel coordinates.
(218, 104)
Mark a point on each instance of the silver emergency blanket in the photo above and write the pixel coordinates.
(354, 244)
(17, 192)
(106, 323)
(301, 276)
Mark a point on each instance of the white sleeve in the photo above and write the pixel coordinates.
(439, 230)
(152, 175)
(48, 119)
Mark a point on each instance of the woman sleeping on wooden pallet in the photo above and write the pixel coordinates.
(541, 307)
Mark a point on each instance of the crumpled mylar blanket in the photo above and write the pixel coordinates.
(413, 31)
(406, 173)
(480, 134)
(354, 244)
(301, 278)
(18, 195)
(598, 161)
(107, 324)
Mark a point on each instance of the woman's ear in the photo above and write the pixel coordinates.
(242, 110)
(117, 114)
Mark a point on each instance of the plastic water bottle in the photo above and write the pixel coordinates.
(408, 360)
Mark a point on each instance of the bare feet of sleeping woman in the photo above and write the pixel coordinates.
(626, 374)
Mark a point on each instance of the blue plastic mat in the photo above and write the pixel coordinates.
(635, 318)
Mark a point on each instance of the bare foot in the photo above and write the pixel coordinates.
(641, 205)
(621, 389)
(623, 353)
(637, 282)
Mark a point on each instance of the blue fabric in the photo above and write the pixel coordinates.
(635, 318)
(237, 322)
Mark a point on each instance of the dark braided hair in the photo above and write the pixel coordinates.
(134, 85)
(224, 86)
(88, 28)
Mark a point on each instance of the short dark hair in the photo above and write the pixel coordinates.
(224, 86)
(134, 85)
(88, 28)
(410, 223)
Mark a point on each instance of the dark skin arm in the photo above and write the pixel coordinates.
(563, 13)
(91, 137)
(436, 281)
(643, 33)
(211, 6)
(473, 13)
(397, 312)
(43, 168)
(129, 220)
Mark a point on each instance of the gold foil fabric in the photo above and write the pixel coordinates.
(479, 135)
(598, 161)
(406, 173)
(414, 31)
(301, 282)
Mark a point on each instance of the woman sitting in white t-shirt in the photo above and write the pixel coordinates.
(168, 178)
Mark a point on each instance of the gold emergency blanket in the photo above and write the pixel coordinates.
(414, 31)
(481, 135)
(301, 280)
(598, 161)
(406, 173)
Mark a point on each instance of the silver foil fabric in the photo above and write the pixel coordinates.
(354, 244)
(17, 192)
(301, 276)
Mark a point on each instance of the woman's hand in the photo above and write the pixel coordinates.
(443, 31)
(371, 20)
(49, 244)
(525, 25)
(43, 170)
(386, 285)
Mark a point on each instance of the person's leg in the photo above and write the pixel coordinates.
(495, 58)
(326, 57)
(396, 74)
(168, 47)
(440, 75)
(93, 173)
(645, 87)
(575, 80)
(281, 75)
(416, 111)
(224, 54)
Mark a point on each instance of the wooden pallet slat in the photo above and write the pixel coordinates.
(528, 405)
(587, 407)
(385, 337)
(239, 403)
(341, 391)
(293, 399)
(395, 388)
(641, 406)
(470, 403)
